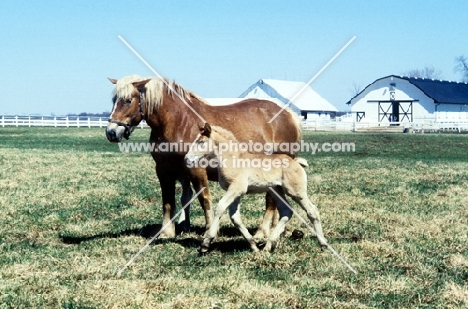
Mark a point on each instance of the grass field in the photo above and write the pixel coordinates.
(74, 210)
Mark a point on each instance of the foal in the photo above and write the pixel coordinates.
(284, 175)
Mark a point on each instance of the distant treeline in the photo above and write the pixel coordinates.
(103, 114)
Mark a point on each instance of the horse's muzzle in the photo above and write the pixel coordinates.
(115, 133)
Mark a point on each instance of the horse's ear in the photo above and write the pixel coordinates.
(114, 81)
(206, 130)
(141, 84)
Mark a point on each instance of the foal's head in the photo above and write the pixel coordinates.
(128, 109)
(202, 146)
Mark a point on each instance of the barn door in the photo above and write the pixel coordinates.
(405, 111)
(396, 111)
(385, 111)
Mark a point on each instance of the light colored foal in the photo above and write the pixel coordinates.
(243, 172)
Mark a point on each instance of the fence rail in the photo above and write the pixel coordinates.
(421, 127)
(311, 125)
(51, 121)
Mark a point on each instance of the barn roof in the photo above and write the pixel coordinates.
(284, 91)
(441, 91)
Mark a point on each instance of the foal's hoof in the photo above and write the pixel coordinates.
(203, 250)
(323, 243)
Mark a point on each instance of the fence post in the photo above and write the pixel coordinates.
(29, 121)
(16, 121)
(55, 121)
(66, 121)
(3, 121)
(89, 122)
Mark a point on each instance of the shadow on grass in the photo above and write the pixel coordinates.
(189, 241)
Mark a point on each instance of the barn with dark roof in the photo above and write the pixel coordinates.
(407, 99)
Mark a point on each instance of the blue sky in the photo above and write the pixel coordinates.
(55, 56)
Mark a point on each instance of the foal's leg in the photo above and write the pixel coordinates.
(313, 215)
(295, 186)
(234, 213)
(187, 193)
(285, 213)
(231, 195)
(270, 218)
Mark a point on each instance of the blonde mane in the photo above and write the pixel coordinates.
(154, 93)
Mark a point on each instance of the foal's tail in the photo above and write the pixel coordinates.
(301, 161)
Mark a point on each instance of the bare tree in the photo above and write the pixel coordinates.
(355, 89)
(427, 72)
(461, 66)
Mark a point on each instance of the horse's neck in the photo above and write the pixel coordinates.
(174, 120)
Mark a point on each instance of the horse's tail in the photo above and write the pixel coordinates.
(302, 162)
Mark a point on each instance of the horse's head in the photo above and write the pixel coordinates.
(201, 147)
(127, 112)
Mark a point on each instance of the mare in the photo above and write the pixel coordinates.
(241, 173)
(174, 115)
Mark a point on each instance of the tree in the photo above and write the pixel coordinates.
(355, 89)
(461, 66)
(428, 72)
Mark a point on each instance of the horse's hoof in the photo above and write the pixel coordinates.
(269, 247)
(167, 234)
(254, 248)
(323, 245)
(203, 250)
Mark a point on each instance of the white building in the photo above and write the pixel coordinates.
(307, 103)
(406, 99)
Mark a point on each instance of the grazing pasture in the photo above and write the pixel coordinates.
(74, 210)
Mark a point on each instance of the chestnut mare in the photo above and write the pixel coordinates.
(168, 109)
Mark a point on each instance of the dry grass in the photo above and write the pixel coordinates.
(74, 210)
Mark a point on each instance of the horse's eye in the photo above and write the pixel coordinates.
(128, 101)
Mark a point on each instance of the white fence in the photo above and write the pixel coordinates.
(311, 125)
(337, 125)
(59, 121)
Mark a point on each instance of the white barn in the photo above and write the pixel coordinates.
(308, 103)
(407, 99)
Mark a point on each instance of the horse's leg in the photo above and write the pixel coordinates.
(313, 215)
(285, 213)
(234, 213)
(199, 180)
(296, 188)
(270, 218)
(231, 195)
(187, 193)
(167, 181)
